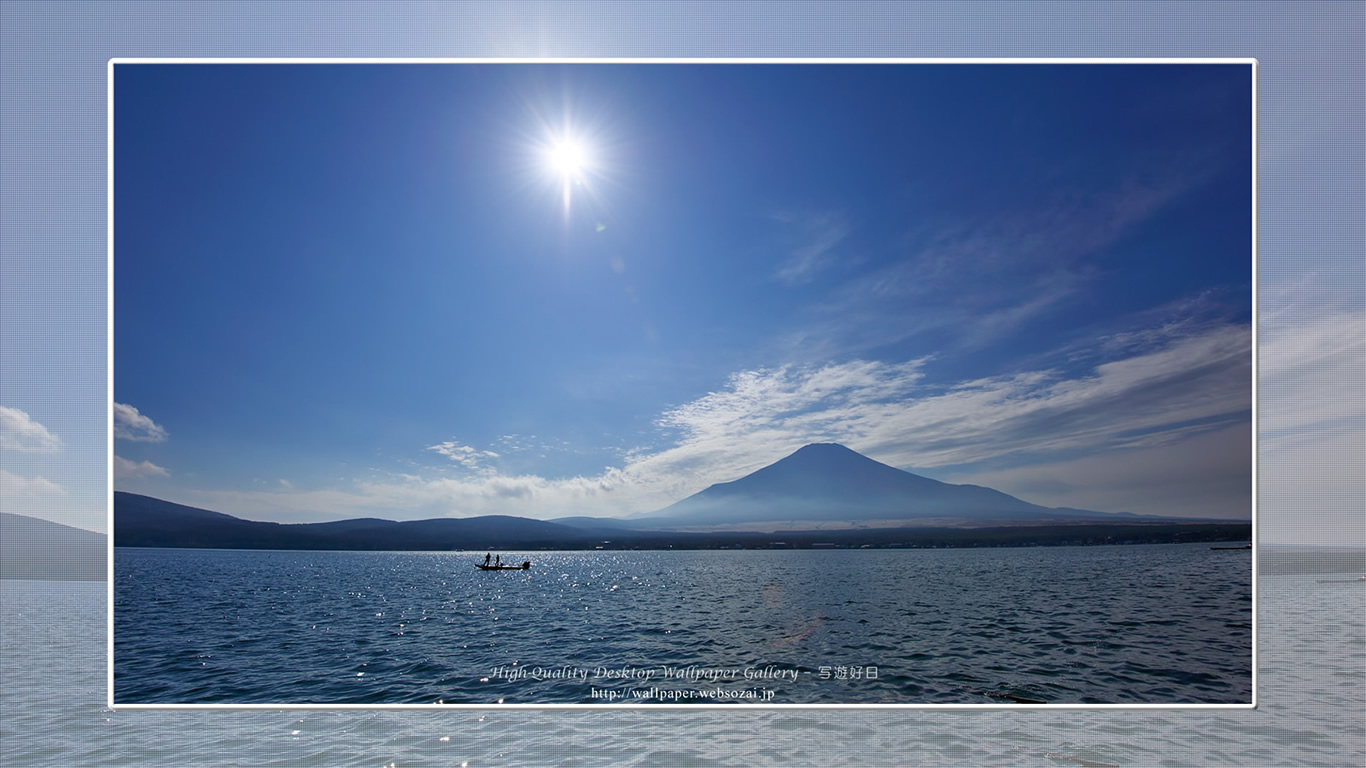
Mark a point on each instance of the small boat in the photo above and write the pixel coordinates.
(1245, 546)
(526, 565)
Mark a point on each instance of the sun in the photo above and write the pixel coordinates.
(576, 161)
(568, 158)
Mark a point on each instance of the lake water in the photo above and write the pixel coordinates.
(1312, 691)
(1138, 624)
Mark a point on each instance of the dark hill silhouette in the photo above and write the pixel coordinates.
(829, 482)
(31, 548)
(147, 522)
(142, 521)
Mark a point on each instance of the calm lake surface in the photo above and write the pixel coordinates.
(1311, 692)
(1137, 624)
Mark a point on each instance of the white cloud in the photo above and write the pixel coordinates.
(1195, 387)
(466, 456)
(412, 497)
(886, 411)
(764, 414)
(133, 426)
(125, 468)
(1312, 392)
(1312, 373)
(27, 488)
(19, 432)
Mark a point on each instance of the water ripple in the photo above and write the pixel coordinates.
(1312, 690)
(1140, 624)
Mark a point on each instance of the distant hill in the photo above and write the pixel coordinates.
(1290, 559)
(824, 494)
(142, 521)
(831, 483)
(31, 548)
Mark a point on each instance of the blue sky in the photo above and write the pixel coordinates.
(348, 290)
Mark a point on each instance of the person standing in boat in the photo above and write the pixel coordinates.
(488, 557)
(497, 561)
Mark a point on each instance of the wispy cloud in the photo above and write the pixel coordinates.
(1194, 387)
(981, 277)
(1312, 367)
(19, 432)
(466, 456)
(887, 411)
(820, 235)
(1205, 472)
(133, 426)
(1312, 379)
(27, 488)
(764, 411)
(409, 496)
(1156, 327)
(127, 469)
(1130, 415)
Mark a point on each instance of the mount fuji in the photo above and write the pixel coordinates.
(838, 487)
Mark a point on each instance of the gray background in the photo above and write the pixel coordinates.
(1312, 141)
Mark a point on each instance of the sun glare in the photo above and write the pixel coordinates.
(568, 158)
(574, 159)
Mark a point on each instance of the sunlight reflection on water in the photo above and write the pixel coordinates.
(1067, 624)
(52, 660)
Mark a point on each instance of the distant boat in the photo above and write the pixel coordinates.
(1245, 546)
(526, 565)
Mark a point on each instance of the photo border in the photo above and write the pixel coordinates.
(650, 707)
